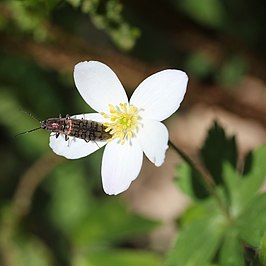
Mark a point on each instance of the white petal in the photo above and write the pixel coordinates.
(160, 94)
(153, 138)
(120, 166)
(75, 148)
(99, 85)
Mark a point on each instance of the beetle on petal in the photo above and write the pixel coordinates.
(134, 125)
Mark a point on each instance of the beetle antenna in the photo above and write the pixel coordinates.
(28, 131)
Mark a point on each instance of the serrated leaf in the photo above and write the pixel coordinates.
(255, 178)
(232, 183)
(200, 210)
(217, 149)
(241, 189)
(252, 222)
(197, 243)
(247, 163)
(118, 257)
(190, 182)
(231, 253)
(184, 180)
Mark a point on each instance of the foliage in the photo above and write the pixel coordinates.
(60, 216)
(210, 12)
(32, 17)
(221, 226)
(111, 21)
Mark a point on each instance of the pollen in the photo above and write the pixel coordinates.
(123, 121)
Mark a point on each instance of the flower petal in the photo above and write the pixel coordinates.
(99, 85)
(160, 94)
(75, 148)
(153, 138)
(120, 166)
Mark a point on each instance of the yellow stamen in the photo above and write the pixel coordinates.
(123, 121)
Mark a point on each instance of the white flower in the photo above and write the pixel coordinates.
(135, 125)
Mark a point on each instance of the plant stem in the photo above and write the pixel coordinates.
(206, 178)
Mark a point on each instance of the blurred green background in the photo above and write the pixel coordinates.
(53, 210)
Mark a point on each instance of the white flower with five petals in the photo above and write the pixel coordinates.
(135, 125)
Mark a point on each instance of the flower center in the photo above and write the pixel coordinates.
(123, 121)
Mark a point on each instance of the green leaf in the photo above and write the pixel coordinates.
(16, 122)
(74, 3)
(87, 221)
(247, 163)
(208, 12)
(242, 189)
(231, 253)
(29, 251)
(262, 252)
(112, 22)
(184, 179)
(252, 222)
(46, 99)
(232, 183)
(70, 202)
(197, 243)
(200, 210)
(110, 221)
(190, 182)
(255, 178)
(217, 149)
(118, 257)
